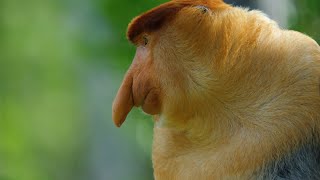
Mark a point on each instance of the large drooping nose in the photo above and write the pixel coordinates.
(123, 101)
(140, 87)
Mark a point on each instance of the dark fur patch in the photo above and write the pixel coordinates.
(301, 164)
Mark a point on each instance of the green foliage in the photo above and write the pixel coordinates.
(307, 19)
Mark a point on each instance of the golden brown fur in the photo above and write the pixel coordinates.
(231, 91)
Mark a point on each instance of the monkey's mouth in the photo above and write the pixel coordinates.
(150, 103)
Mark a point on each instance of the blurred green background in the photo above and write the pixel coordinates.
(61, 63)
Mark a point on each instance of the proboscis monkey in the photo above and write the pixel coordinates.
(233, 95)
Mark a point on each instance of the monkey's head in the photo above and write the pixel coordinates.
(172, 71)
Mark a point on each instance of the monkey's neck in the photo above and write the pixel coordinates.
(205, 154)
(213, 153)
(201, 123)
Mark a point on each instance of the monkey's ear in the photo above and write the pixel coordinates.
(152, 20)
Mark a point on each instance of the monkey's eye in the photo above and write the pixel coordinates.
(145, 40)
(203, 9)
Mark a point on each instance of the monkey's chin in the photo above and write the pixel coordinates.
(151, 104)
(150, 111)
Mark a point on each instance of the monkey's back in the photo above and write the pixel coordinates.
(303, 161)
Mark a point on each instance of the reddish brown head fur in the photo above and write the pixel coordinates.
(156, 18)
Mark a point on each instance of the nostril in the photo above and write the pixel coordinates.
(203, 9)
